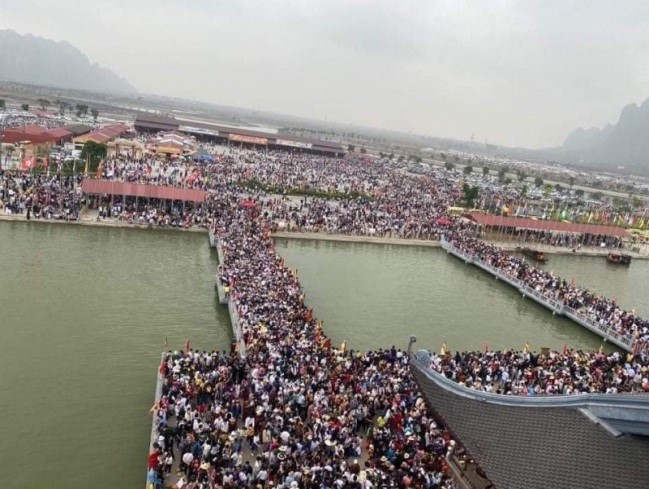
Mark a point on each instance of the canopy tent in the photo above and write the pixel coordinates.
(539, 225)
(109, 187)
(248, 203)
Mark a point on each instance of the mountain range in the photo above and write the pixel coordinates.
(624, 144)
(34, 60)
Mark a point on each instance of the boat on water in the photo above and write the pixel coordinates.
(536, 255)
(618, 259)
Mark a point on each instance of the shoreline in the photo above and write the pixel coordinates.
(101, 224)
(550, 250)
(296, 235)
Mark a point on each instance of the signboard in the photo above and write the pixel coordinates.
(294, 144)
(247, 139)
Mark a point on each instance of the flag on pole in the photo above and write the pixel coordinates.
(443, 350)
(526, 348)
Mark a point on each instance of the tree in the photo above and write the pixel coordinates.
(470, 194)
(507, 181)
(538, 182)
(391, 156)
(558, 187)
(82, 109)
(501, 174)
(2, 104)
(351, 148)
(25, 107)
(95, 114)
(418, 159)
(93, 152)
(449, 166)
(43, 103)
(579, 193)
(524, 191)
(636, 202)
(597, 195)
(400, 158)
(485, 171)
(571, 181)
(521, 176)
(363, 151)
(468, 170)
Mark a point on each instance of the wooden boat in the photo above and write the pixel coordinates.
(618, 259)
(535, 255)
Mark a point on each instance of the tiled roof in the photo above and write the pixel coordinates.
(542, 225)
(535, 447)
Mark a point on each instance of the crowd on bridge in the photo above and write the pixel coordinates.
(294, 411)
(525, 373)
(602, 310)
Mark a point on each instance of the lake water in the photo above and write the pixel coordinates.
(84, 313)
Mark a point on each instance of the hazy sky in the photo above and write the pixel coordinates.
(516, 72)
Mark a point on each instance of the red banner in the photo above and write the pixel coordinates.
(247, 139)
(28, 163)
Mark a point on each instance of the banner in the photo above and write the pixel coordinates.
(294, 144)
(247, 139)
(27, 163)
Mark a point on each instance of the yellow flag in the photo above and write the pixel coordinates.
(444, 349)
(526, 348)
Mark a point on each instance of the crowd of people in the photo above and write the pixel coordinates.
(40, 196)
(524, 373)
(600, 309)
(294, 411)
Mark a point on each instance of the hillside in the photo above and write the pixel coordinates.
(34, 60)
(625, 144)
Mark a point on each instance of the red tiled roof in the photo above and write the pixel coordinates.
(541, 225)
(10, 136)
(139, 190)
(33, 129)
(59, 132)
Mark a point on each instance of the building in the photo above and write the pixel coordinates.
(102, 135)
(237, 135)
(585, 441)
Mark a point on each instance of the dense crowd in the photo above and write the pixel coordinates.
(600, 309)
(553, 373)
(294, 411)
(40, 196)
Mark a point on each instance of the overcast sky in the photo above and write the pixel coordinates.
(521, 73)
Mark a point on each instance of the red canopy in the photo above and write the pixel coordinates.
(249, 203)
(557, 226)
(109, 187)
(444, 221)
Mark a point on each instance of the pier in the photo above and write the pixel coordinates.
(555, 305)
(224, 296)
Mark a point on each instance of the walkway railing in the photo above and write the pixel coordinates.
(557, 306)
(618, 413)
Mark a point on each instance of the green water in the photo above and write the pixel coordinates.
(84, 313)
(374, 296)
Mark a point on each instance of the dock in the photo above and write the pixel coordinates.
(555, 305)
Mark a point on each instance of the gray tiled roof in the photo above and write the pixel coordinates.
(540, 447)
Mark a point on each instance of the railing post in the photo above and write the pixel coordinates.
(413, 340)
